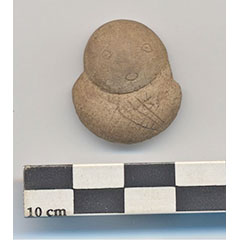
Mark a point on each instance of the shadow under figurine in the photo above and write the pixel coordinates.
(126, 93)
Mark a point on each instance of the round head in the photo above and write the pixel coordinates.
(123, 56)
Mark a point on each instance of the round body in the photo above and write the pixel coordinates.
(126, 93)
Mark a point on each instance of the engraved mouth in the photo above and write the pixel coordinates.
(131, 76)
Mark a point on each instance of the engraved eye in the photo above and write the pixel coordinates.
(106, 54)
(146, 47)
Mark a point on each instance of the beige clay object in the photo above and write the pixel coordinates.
(126, 93)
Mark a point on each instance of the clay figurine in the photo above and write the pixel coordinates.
(126, 93)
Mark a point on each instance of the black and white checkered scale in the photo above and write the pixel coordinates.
(124, 188)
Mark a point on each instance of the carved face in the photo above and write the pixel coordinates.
(123, 56)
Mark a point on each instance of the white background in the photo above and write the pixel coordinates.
(49, 40)
(50, 37)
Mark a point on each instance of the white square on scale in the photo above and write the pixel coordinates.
(200, 173)
(150, 200)
(88, 176)
(48, 203)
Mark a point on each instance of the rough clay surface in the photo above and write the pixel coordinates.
(126, 93)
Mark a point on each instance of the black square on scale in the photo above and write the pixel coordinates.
(48, 177)
(149, 175)
(99, 200)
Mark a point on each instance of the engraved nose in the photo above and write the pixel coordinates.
(131, 76)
